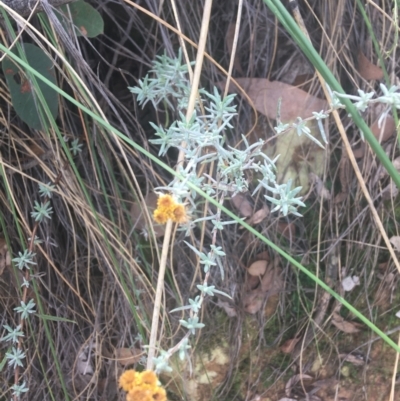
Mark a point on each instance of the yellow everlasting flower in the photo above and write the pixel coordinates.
(165, 202)
(142, 386)
(139, 394)
(169, 209)
(128, 380)
(159, 394)
(160, 216)
(149, 378)
(179, 214)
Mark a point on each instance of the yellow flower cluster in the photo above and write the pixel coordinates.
(141, 386)
(168, 208)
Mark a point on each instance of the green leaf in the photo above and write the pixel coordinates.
(87, 20)
(23, 94)
(54, 318)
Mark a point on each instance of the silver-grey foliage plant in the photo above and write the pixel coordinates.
(202, 140)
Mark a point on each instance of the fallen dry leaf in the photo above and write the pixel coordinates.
(384, 291)
(253, 301)
(229, 309)
(386, 129)
(298, 154)
(288, 230)
(265, 95)
(263, 256)
(368, 70)
(322, 191)
(258, 268)
(252, 282)
(288, 346)
(359, 152)
(272, 281)
(269, 286)
(304, 81)
(344, 325)
(128, 356)
(294, 380)
(242, 204)
(340, 197)
(356, 360)
(259, 215)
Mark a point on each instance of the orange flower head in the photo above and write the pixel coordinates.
(169, 209)
(128, 380)
(160, 216)
(139, 394)
(179, 214)
(165, 202)
(159, 394)
(149, 378)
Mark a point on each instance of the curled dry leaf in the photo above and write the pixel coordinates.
(259, 215)
(242, 204)
(265, 95)
(229, 309)
(344, 325)
(294, 380)
(385, 130)
(357, 360)
(368, 70)
(263, 256)
(340, 197)
(359, 152)
(322, 191)
(258, 268)
(269, 286)
(384, 291)
(288, 230)
(288, 346)
(252, 282)
(253, 301)
(272, 281)
(128, 356)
